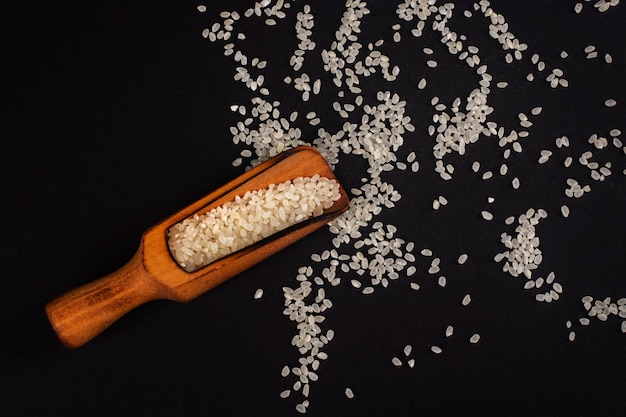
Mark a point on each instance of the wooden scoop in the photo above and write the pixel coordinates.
(81, 314)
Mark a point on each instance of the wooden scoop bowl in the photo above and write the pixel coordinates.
(83, 313)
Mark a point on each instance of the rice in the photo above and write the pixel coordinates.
(204, 238)
(449, 331)
(376, 131)
(407, 350)
(258, 294)
(523, 255)
(466, 300)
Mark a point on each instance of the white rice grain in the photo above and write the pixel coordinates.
(367, 290)
(466, 300)
(407, 350)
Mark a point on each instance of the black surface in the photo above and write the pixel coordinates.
(117, 115)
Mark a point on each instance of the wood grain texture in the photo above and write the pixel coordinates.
(83, 313)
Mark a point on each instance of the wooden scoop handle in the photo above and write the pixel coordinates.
(82, 313)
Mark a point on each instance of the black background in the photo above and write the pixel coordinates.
(117, 115)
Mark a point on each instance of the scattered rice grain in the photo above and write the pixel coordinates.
(466, 300)
(367, 290)
(407, 350)
(449, 331)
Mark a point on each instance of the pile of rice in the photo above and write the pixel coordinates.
(203, 238)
